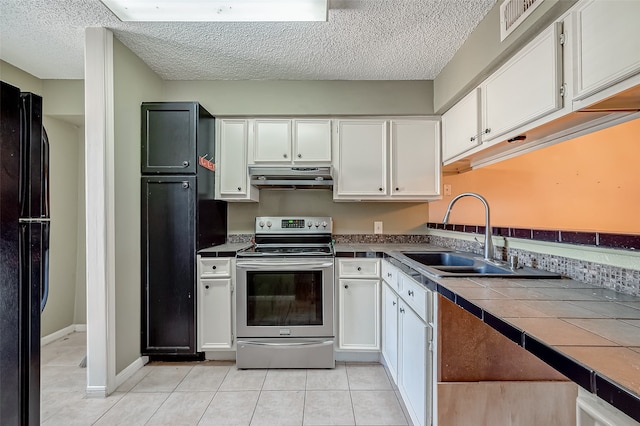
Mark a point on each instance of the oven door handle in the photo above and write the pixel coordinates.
(309, 343)
(282, 265)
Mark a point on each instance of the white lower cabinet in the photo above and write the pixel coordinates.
(215, 303)
(414, 378)
(390, 329)
(407, 343)
(593, 411)
(359, 304)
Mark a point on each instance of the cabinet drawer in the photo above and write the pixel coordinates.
(365, 268)
(414, 294)
(390, 275)
(215, 267)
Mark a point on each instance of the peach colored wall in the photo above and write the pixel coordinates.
(591, 183)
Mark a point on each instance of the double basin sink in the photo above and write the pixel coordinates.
(447, 264)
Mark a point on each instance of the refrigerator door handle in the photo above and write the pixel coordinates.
(45, 265)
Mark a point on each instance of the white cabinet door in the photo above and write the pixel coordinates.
(526, 88)
(232, 174)
(214, 314)
(272, 141)
(362, 159)
(461, 126)
(390, 329)
(312, 141)
(359, 319)
(415, 159)
(415, 378)
(606, 44)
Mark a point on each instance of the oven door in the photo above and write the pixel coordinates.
(284, 297)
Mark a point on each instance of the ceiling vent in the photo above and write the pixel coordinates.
(513, 12)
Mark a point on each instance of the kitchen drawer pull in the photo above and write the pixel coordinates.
(402, 310)
(207, 286)
(185, 164)
(389, 274)
(410, 293)
(359, 268)
(214, 267)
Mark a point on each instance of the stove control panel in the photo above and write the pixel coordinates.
(293, 225)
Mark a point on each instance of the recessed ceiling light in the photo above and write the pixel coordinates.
(218, 10)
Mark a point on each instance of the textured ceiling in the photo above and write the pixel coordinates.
(363, 40)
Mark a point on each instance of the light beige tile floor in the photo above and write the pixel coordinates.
(210, 393)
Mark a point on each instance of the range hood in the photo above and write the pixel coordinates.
(291, 177)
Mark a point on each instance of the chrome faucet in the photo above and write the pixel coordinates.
(488, 243)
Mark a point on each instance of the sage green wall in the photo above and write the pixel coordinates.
(15, 76)
(262, 97)
(333, 98)
(483, 51)
(348, 218)
(63, 101)
(80, 309)
(134, 83)
(63, 175)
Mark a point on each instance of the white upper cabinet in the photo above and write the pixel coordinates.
(272, 141)
(606, 44)
(415, 159)
(526, 88)
(312, 141)
(232, 175)
(284, 141)
(362, 159)
(387, 160)
(461, 126)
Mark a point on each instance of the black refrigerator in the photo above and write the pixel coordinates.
(179, 217)
(24, 252)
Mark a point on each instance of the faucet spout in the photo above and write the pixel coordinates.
(488, 242)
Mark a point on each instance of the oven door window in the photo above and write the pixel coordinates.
(284, 298)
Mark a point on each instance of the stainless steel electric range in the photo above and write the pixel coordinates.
(285, 295)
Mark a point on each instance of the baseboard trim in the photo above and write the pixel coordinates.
(130, 370)
(63, 332)
(357, 356)
(96, 392)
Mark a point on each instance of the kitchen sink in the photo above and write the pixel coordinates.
(446, 264)
(441, 259)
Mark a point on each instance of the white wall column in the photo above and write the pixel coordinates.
(100, 217)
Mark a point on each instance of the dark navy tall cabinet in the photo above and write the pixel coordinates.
(179, 217)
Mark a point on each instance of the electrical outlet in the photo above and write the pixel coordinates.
(377, 227)
(447, 189)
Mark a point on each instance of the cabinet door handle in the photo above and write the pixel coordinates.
(397, 189)
(346, 286)
(214, 267)
(185, 185)
(380, 189)
(394, 303)
(284, 155)
(487, 130)
(473, 138)
(207, 286)
(185, 164)
(299, 155)
(389, 274)
(359, 268)
(410, 293)
(402, 310)
(239, 189)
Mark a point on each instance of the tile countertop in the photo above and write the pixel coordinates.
(590, 334)
(224, 250)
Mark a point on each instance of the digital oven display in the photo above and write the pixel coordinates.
(293, 223)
